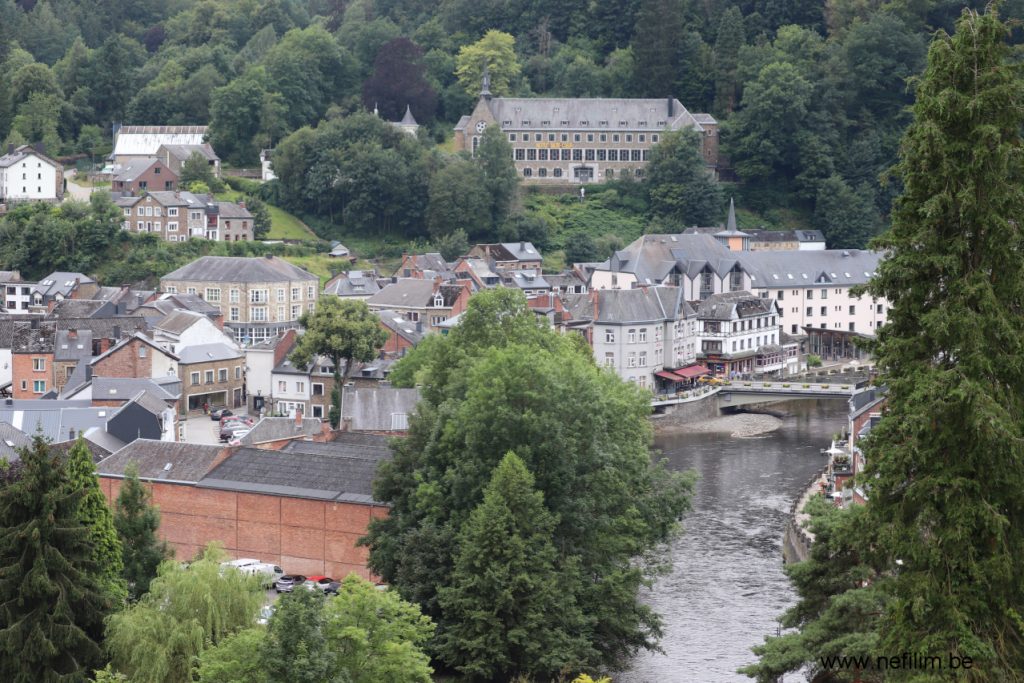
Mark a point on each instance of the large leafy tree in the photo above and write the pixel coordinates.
(459, 201)
(53, 596)
(137, 521)
(507, 608)
(944, 463)
(345, 332)
(847, 217)
(95, 514)
(295, 648)
(496, 52)
(160, 638)
(678, 183)
(502, 381)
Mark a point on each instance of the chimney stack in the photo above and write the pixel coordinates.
(10, 148)
(72, 333)
(298, 417)
(117, 332)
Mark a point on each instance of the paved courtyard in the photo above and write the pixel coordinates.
(201, 429)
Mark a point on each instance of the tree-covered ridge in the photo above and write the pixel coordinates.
(811, 93)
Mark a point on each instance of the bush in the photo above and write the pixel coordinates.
(813, 361)
(243, 185)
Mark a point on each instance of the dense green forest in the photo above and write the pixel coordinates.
(811, 94)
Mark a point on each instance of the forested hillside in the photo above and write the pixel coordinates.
(811, 94)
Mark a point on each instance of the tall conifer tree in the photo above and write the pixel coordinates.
(95, 514)
(52, 598)
(945, 464)
(730, 39)
(136, 521)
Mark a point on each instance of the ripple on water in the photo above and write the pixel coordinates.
(725, 587)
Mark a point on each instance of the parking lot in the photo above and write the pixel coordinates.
(201, 429)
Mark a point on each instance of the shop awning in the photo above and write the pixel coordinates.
(670, 376)
(692, 371)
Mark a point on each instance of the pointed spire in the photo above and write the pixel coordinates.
(730, 223)
(485, 87)
(375, 112)
(408, 119)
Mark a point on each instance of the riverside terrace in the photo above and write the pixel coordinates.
(740, 393)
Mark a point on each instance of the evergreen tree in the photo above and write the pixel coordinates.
(944, 462)
(507, 609)
(659, 23)
(840, 600)
(136, 522)
(52, 596)
(727, 50)
(94, 512)
(847, 217)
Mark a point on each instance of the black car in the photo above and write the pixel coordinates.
(288, 582)
(218, 413)
(332, 588)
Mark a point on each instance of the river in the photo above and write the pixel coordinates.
(726, 587)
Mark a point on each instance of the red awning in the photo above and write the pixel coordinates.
(692, 371)
(671, 377)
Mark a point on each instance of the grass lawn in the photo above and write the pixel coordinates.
(285, 226)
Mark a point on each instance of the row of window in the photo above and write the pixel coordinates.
(300, 387)
(259, 314)
(24, 176)
(578, 137)
(158, 211)
(256, 296)
(531, 154)
(743, 345)
(851, 327)
(608, 173)
(222, 375)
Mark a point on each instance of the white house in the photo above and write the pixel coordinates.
(27, 175)
(636, 332)
(291, 388)
(739, 334)
(181, 329)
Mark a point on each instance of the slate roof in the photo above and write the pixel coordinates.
(587, 114)
(132, 169)
(23, 152)
(341, 470)
(412, 292)
(524, 279)
(77, 308)
(354, 283)
(624, 306)
(141, 337)
(400, 326)
(722, 306)
(651, 258)
(277, 428)
(60, 282)
(66, 348)
(127, 388)
(54, 418)
(178, 321)
(202, 353)
(28, 339)
(788, 269)
(380, 408)
(232, 210)
(238, 269)
(11, 439)
(189, 462)
(408, 119)
(183, 152)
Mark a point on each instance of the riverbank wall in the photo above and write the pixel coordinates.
(702, 407)
(797, 540)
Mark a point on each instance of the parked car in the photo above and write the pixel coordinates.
(236, 418)
(332, 588)
(235, 437)
(240, 564)
(218, 412)
(318, 582)
(288, 582)
(229, 430)
(267, 573)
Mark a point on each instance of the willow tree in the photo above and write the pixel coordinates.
(945, 464)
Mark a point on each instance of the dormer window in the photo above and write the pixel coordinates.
(438, 300)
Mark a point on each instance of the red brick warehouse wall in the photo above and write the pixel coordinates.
(302, 536)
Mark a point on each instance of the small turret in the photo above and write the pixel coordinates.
(485, 86)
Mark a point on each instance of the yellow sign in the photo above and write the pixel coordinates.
(554, 145)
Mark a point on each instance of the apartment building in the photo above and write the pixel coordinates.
(260, 297)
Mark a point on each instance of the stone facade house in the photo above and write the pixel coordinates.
(143, 175)
(136, 356)
(259, 297)
(180, 216)
(212, 375)
(559, 141)
(429, 302)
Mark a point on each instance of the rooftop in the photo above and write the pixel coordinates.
(238, 269)
(597, 114)
(162, 460)
(278, 428)
(204, 353)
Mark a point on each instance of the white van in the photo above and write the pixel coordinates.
(268, 573)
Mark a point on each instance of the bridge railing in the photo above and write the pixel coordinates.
(795, 387)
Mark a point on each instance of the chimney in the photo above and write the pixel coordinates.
(522, 246)
(241, 204)
(669, 108)
(298, 417)
(10, 148)
(72, 333)
(117, 332)
(419, 326)
(40, 147)
(71, 434)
